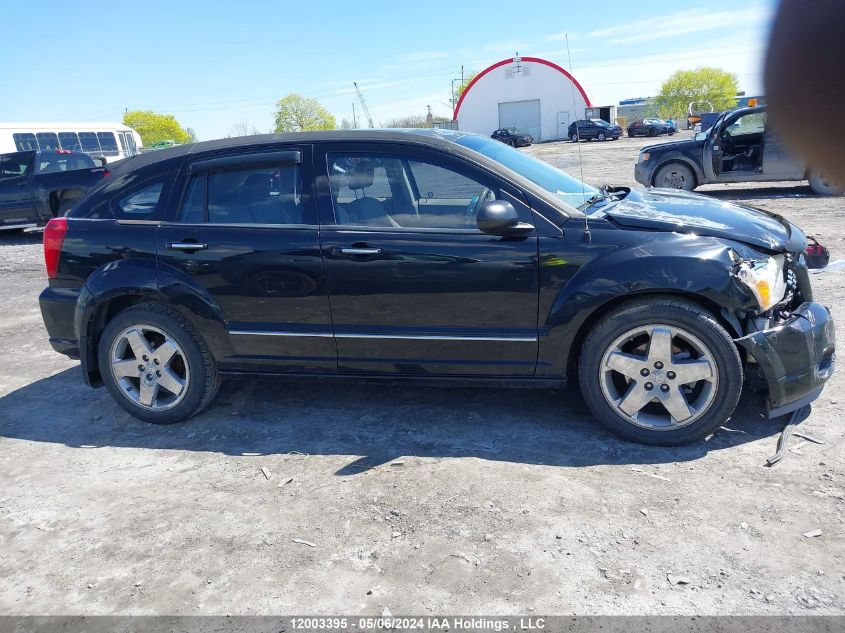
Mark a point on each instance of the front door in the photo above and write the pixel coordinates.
(415, 287)
(245, 232)
(16, 203)
(563, 125)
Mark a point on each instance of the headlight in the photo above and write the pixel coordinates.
(765, 280)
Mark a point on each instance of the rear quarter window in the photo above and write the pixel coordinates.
(127, 197)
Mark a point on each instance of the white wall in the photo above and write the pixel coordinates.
(479, 111)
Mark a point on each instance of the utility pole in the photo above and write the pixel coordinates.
(354, 118)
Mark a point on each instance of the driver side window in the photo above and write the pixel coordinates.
(402, 193)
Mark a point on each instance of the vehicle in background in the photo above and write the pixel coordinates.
(650, 127)
(513, 137)
(590, 129)
(161, 145)
(672, 125)
(428, 254)
(739, 147)
(41, 184)
(112, 141)
(695, 110)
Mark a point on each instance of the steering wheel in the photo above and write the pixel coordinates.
(474, 206)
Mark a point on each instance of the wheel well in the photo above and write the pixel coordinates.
(599, 313)
(105, 313)
(669, 161)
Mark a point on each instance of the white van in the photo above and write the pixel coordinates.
(112, 141)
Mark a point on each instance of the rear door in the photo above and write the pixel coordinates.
(245, 232)
(17, 205)
(416, 288)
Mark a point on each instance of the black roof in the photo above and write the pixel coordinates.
(443, 139)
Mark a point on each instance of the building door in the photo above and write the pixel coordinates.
(523, 115)
(563, 125)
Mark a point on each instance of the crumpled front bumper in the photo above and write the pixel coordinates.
(796, 357)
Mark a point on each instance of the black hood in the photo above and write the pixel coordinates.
(669, 146)
(683, 212)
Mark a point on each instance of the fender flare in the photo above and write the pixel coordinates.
(138, 281)
(611, 279)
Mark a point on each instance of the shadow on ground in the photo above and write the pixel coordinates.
(377, 422)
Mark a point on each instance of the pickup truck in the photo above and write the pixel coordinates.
(739, 146)
(37, 185)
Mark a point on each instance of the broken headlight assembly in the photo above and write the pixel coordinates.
(765, 279)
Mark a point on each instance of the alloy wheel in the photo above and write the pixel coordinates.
(149, 367)
(659, 377)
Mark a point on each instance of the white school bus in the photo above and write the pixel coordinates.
(112, 141)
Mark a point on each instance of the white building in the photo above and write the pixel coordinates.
(531, 94)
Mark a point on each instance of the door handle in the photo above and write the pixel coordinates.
(351, 250)
(186, 246)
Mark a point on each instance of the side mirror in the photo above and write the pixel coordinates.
(498, 217)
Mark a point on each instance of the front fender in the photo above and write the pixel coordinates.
(685, 266)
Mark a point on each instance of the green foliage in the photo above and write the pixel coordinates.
(295, 113)
(459, 89)
(702, 84)
(192, 136)
(155, 128)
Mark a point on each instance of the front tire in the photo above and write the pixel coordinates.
(156, 365)
(675, 176)
(601, 136)
(662, 372)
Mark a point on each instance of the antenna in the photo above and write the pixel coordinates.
(578, 137)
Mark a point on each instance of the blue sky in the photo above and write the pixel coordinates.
(214, 65)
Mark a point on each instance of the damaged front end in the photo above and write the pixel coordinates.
(790, 337)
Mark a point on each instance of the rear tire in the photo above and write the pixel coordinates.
(696, 342)
(574, 138)
(146, 353)
(675, 176)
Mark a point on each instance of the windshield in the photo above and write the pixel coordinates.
(554, 180)
(601, 122)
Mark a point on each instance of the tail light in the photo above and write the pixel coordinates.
(54, 237)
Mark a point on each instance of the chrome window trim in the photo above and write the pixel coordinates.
(411, 337)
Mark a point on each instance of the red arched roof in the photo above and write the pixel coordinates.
(509, 60)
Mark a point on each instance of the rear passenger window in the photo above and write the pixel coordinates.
(47, 140)
(69, 140)
(140, 204)
(25, 141)
(107, 143)
(254, 195)
(89, 142)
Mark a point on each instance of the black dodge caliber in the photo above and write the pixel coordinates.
(428, 254)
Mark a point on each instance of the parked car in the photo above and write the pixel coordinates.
(650, 127)
(432, 254)
(513, 137)
(739, 147)
(37, 185)
(597, 129)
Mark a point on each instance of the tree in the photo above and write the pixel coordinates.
(242, 128)
(702, 84)
(412, 120)
(346, 124)
(154, 127)
(295, 113)
(464, 85)
(192, 136)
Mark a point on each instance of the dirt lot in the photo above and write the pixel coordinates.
(304, 498)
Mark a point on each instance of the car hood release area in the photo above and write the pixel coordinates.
(681, 212)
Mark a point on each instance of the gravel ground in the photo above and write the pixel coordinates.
(287, 497)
